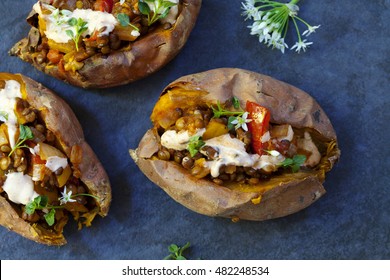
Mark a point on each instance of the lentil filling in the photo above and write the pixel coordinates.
(128, 25)
(37, 160)
(280, 143)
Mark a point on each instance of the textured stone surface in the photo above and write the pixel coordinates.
(346, 70)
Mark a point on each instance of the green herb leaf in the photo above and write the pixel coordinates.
(50, 217)
(4, 115)
(80, 26)
(294, 163)
(30, 207)
(43, 201)
(219, 111)
(177, 252)
(72, 21)
(173, 248)
(25, 133)
(38, 203)
(230, 125)
(143, 8)
(69, 33)
(123, 19)
(168, 4)
(195, 144)
(236, 102)
(158, 10)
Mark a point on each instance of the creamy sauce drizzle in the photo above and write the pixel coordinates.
(57, 22)
(8, 97)
(19, 188)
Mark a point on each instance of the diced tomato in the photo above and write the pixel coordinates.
(104, 5)
(37, 160)
(260, 117)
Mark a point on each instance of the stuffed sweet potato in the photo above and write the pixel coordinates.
(47, 170)
(105, 43)
(237, 144)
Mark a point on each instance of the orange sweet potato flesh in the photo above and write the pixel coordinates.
(60, 119)
(146, 56)
(280, 196)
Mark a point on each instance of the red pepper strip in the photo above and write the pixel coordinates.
(260, 117)
(93, 37)
(105, 5)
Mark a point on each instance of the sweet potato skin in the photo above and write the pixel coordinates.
(147, 55)
(280, 196)
(60, 119)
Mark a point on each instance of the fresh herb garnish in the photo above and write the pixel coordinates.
(195, 144)
(124, 20)
(42, 202)
(176, 252)
(294, 163)
(157, 10)
(80, 27)
(236, 119)
(271, 21)
(236, 103)
(25, 133)
(3, 115)
(39, 203)
(60, 16)
(220, 112)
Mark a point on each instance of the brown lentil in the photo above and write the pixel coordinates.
(187, 163)
(40, 128)
(178, 156)
(59, 171)
(253, 181)
(163, 154)
(5, 149)
(4, 163)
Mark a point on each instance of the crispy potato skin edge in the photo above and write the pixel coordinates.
(205, 197)
(59, 118)
(148, 55)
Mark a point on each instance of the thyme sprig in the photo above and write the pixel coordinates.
(294, 163)
(124, 20)
(80, 26)
(25, 134)
(195, 144)
(236, 119)
(176, 252)
(155, 9)
(221, 112)
(41, 202)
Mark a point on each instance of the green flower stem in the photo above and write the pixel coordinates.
(84, 194)
(294, 2)
(296, 27)
(303, 21)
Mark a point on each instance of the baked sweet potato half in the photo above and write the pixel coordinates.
(105, 43)
(238, 144)
(48, 172)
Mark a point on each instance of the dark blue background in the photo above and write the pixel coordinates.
(346, 70)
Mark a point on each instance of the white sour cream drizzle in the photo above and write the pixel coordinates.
(54, 163)
(8, 97)
(19, 188)
(57, 22)
(230, 151)
(178, 140)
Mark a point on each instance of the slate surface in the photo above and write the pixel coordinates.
(346, 70)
